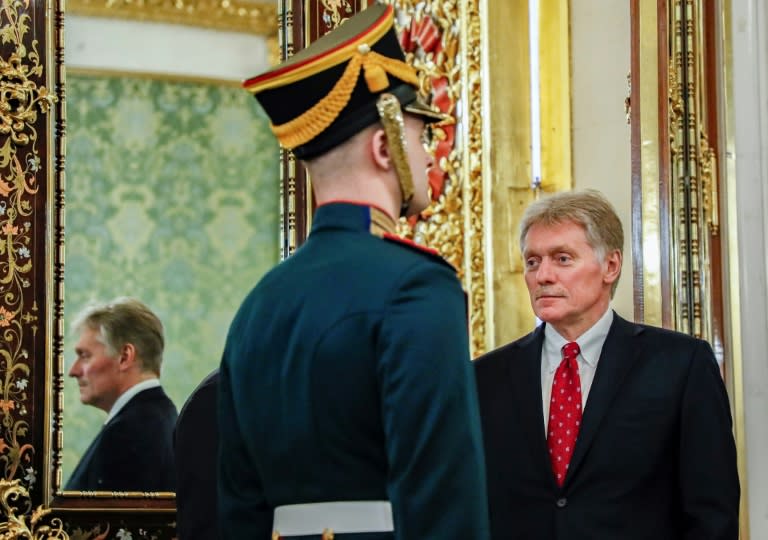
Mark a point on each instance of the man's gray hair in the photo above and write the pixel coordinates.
(125, 320)
(588, 209)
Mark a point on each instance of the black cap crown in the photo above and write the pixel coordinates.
(326, 93)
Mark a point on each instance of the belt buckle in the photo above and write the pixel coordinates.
(327, 535)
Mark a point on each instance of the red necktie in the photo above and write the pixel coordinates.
(564, 412)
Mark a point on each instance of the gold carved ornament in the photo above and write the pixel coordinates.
(14, 509)
(228, 15)
(332, 12)
(694, 175)
(441, 40)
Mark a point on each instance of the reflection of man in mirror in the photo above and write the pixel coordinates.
(119, 353)
(347, 399)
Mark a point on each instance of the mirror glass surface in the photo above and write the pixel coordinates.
(172, 191)
(172, 176)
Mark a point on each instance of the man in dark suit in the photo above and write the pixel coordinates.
(196, 443)
(117, 368)
(347, 404)
(626, 433)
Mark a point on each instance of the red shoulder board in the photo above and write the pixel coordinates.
(433, 253)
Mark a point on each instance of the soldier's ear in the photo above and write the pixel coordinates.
(379, 150)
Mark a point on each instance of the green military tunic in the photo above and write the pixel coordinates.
(346, 376)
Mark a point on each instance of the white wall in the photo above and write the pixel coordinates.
(600, 62)
(750, 101)
(122, 45)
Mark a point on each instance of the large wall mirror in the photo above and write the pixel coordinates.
(172, 197)
(172, 192)
(157, 205)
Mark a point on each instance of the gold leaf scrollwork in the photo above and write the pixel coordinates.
(676, 111)
(442, 41)
(335, 12)
(22, 100)
(708, 171)
(15, 507)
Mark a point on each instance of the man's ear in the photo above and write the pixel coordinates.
(612, 266)
(380, 150)
(127, 357)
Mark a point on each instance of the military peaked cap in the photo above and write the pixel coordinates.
(327, 92)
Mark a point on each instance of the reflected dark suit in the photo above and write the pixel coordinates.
(133, 451)
(655, 457)
(196, 443)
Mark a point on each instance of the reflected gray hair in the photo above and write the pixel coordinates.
(588, 209)
(126, 320)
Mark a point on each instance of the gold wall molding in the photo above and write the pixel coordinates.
(555, 98)
(646, 232)
(475, 262)
(694, 174)
(507, 140)
(231, 15)
(734, 371)
(688, 275)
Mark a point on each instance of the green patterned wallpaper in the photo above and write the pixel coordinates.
(172, 197)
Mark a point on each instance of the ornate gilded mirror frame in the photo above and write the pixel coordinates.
(31, 252)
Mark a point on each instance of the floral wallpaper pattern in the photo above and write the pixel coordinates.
(172, 196)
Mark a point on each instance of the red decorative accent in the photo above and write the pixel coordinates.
(436, 179)
(410, 243)
(427, 35)
(440, 96)
(436, 174)
(405, 39)
(424, 37)
(298, 65)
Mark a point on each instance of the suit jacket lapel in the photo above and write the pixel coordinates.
(525, 378)
(618, 356)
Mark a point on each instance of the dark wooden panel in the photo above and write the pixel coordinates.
(25, 179)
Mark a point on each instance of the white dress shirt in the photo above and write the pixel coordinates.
(591, 345)
(126, 396)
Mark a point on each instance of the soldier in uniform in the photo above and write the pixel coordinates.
(347, 405)
(196, 442)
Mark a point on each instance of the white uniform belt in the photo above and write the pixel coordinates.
(341, 517)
